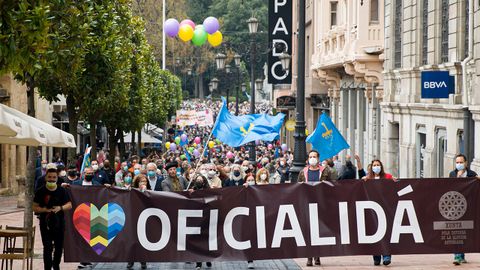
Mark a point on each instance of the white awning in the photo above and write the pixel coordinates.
(145, 138)
(36, 132)
(9, 124)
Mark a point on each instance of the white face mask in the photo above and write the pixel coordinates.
(312, 161)
(251, 182)
(244, 168)
(376, 169)
(204, 172)
(263, 176)
(95, 167)
(282, 163)
(211, 174)
(63, 173)
(44, 166)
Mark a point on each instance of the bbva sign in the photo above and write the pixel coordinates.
(437, 84)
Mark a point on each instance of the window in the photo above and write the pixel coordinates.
(467, 10)
(425, 32)
(420, 146)
(460, 142)
(444, 31)
(441, 145)
(398, 34)
(374, 11)
(333, 13)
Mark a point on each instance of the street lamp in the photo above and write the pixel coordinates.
(285, 59)
(252, 28)
(220, 60)
(259, 84)
(300, 151)
(244, 87)
(237, 58)
(210, 88)
(214, 83)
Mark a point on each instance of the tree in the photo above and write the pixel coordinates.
(23, 42)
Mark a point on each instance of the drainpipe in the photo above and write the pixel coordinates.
(467, 115)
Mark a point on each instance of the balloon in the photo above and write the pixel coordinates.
(218, 141)
(188, 22)
(171, 27)
(185, 33)
(215, 39)
(230, 155)
(270, 146)
(167, 145)
(190, 149)
(183, 157)
(211, 25)
(197, 140)
(199, 36)
(194, 145)
(183, 137)
(196, 153)
(211, 144)
(284, 147)
(177, 140)
(173, 147)
(257, 142)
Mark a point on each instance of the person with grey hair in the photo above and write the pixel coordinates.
(154, 179)
(236, 177)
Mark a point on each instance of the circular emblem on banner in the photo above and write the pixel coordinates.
(290, 125)
(452, 205)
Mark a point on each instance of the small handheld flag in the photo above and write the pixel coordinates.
(326, 138)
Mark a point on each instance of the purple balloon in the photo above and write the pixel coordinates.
(196, 153)
(183, 137)
(257, 142)
(173, 147)
(284, 147)
(171, 27)
(211, 25)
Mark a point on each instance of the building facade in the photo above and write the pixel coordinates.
(421, 136)
(347, 60)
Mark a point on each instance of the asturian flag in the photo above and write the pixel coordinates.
(326, 138)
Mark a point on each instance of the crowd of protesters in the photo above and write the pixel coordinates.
(199, 163)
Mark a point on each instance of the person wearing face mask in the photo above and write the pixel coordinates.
(461, 171)
(249, 180)
(376, 171)
(212, 176)
(236, 177)
(50, 202)
(40, 171)
(41, 180)
(120, 174)
(127, 180)
(99, 175)
(109, 171)
(314, 173)
(246, 166)
(72, 175)
(262, 177)
(137, 169)
(283, 171)
(154, 180)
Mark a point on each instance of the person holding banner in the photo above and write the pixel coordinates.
(376, 171)
(461, 171)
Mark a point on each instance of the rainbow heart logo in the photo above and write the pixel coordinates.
(99, 227)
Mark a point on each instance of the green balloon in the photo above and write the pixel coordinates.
(217, 141)
(183, 157)
(199, 36)
(190, 149)
(177, 140)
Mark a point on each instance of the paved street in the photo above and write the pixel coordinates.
(10, 215)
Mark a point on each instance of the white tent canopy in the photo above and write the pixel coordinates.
(145, 138)
(34, 132)
(9, 124)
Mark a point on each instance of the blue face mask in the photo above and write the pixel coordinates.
(460, 166)
(125, 168)
(151, 173)
(136, 172)
(128, 180)
(179, 171)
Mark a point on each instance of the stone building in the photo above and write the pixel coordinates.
(421, 136)
(13, 158)
(347, 59)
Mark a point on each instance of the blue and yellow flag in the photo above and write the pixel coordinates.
(326, 138)
(239, 130)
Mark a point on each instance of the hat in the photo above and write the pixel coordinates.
(51, 166)
(171, 164)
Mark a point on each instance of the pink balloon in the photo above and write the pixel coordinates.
(198, 140)
(270, 146)
(189, 22)
(230, 155)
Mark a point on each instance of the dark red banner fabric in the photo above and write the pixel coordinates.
(350, 217)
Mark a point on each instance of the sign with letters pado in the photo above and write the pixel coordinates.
(280, 39)
(437, 84)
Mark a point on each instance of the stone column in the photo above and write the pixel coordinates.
(342, 117)
(360, 122)
(352, 102)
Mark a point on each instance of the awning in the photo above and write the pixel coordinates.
(9, 124)
(36, 132)
(145, 138)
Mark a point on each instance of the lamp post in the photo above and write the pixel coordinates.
(237, 59)
(252, 28)
(214, 83)
(300, 152)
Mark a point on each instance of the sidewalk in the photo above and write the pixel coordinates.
(10, 215)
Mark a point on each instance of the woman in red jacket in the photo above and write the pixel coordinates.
(376, 171)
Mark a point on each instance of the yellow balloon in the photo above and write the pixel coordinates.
(211, 144)
(167, 145)
(185, 33)
(215, 39)
(306, 132)
(194, 145)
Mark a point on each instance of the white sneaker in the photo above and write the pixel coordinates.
(250, 265)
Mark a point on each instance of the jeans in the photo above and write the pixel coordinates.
(52, 241)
